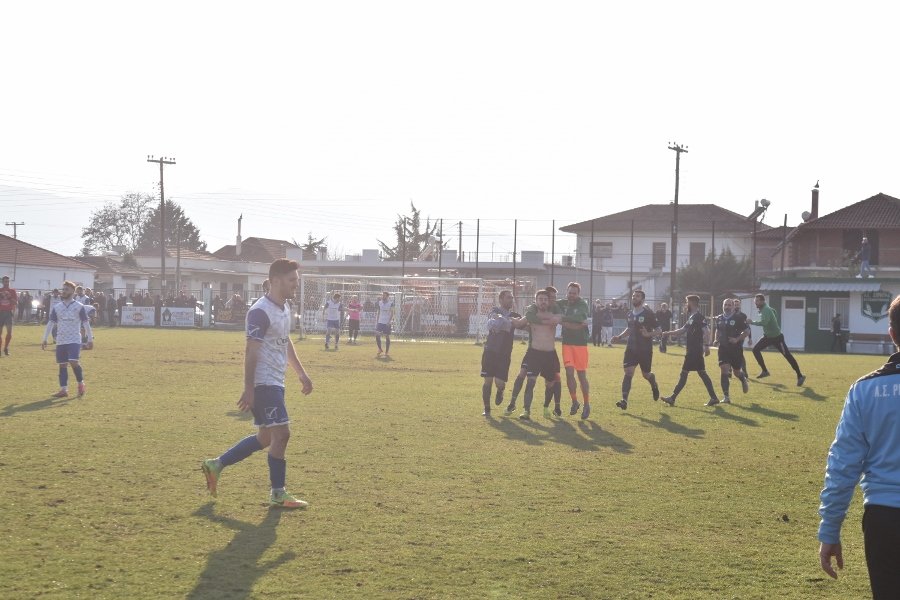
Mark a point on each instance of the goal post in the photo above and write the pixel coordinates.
(436, 308)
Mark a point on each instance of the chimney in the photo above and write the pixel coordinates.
(814, 213)
(237, 244)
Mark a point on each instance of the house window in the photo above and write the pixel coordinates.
(698, 252)
(828, 307)
(659, 255)
(601, 249)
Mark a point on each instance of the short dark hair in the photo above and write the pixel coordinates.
(894, 313)
(551, 290)
(575, 285)
(282, 266)
(641, 292)
(542, 293)
(763, 296)
(505, 293)
(693, 298)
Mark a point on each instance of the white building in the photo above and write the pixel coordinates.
(38, 270)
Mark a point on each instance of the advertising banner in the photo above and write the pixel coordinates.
(176, 316)
(138, 316)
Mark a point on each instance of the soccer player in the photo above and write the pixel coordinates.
(269, 351)
(541, 357)
(8, 300)
(731, 330)
(606, 321)
(383, 323)
(333, 312)
(554, 391)
(772, 336)
(495, 359)
(574, 312)
(867, 445)
(353, 310)
(742, 315)
(639, 350)
(68, 317)
(696, 330)
(664, 321)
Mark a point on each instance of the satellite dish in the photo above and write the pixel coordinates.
(805, 216)
(764, 203)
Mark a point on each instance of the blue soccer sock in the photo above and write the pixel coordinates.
(63, 376)
(240, 451)
(277, 472)
(79, 373)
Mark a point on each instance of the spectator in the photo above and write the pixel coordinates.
(111, 309)
(864, 255)
(664, 320)
(121, 303)
(836, 335)
(21, 302)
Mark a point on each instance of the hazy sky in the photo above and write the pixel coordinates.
(330, 117)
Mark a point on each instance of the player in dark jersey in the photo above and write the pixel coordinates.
(696, 330)
(495, 359)
(639, 349)
(731, 330)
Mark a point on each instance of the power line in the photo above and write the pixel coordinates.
(15, 226)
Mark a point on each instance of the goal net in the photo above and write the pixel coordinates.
(424, 307)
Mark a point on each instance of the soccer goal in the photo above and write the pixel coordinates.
(424, 307)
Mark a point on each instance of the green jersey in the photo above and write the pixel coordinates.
(531, 316)
(574, 312)
(769, 322)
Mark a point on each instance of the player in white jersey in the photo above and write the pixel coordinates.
(68, 317)
(383, 324)
(334, 314)
(269, 351)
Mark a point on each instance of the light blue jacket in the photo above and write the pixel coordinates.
(867, 445)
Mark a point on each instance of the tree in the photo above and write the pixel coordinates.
(717, 275)
(175, 217)
(409, 236)
(117, 227)
(312, 247)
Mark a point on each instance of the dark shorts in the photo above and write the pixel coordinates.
(541, 362)
(333, 324)
(384, 328)
(6, 318)
(732, 354)
(495, 364)
(268, 406)
(353, 324)
(641, 358)
(67, 352)
(693, 361)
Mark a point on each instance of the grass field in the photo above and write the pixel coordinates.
(412, 493)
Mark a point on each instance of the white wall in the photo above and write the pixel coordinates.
(25, 277)
(740, 245)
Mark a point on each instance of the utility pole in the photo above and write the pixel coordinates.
(164, 160)
(459, 256)
(178, 259)
(14, 225)
(678, 150)
(440, 246)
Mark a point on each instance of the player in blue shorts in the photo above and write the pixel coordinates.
(68, 317)
(269, 350)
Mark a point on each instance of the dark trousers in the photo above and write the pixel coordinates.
(596, 337)
(778, 342)
(881, 530)
(838, 340)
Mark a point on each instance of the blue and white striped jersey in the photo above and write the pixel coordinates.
(270, 324)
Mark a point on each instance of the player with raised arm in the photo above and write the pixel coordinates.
(68, 317)
(730, 331)
(269, 351)
(541, 356)
(383, 323)
(639, 350)
(696, 330)
(334, 313)
(495, 358)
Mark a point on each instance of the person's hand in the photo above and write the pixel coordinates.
(826, 551)
(88, 345)
(614, 339)
(307, 384)
(706, 350)
(246, 401)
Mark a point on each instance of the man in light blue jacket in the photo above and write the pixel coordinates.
(867, 446)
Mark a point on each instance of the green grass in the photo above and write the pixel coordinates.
(413, 494)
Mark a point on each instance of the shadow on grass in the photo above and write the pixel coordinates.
(812, 395)
(232, 571)
(239, 415)
(767, 412)
(666, 422)
(13, 409)
(720, 413)
(588, 436)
